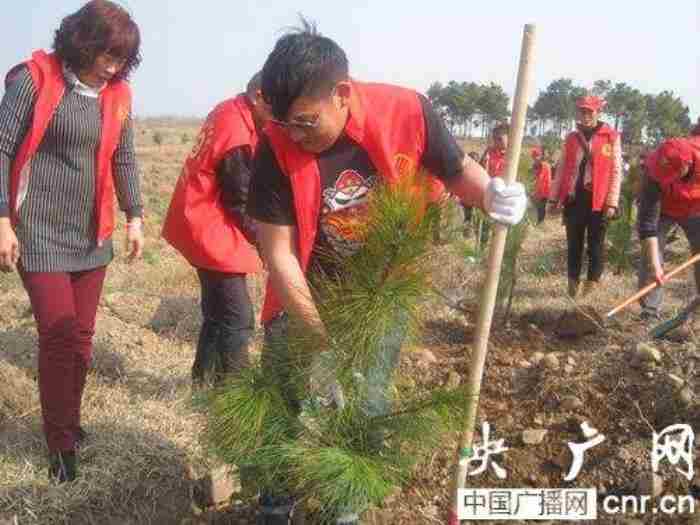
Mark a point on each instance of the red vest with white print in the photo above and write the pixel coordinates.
(602, 164)
(197, 225)
(681, 197)
(387, 122)
(46, 71)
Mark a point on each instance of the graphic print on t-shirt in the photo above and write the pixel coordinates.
(344, 211)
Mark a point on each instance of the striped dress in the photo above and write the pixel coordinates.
(56, 228)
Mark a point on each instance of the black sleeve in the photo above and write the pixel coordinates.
(270, 198)
(443, 157)
(649, 208)
(233, 176)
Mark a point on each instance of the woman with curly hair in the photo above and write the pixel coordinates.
(66, 148)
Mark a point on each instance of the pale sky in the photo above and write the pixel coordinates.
(199, 52)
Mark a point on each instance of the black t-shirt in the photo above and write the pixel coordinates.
(347, 176)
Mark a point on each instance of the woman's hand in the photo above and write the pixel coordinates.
(659, 275)
(134, 239)
(9, 246)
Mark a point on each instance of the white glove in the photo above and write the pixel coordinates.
(505, 204)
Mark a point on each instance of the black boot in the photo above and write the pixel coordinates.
(275, 510)
(206, 359)
(80, 437)
(63, 466)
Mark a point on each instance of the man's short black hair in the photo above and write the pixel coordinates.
(303, 63)
(254, 85)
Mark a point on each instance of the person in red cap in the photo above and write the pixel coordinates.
(206, 223)
(587, 184)
(494, 158)
(542, 173)
(670, 195)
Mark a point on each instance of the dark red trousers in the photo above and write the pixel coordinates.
(65, 306)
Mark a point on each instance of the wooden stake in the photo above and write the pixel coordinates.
(488, 295)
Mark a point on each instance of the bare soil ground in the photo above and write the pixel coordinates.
(143, 455)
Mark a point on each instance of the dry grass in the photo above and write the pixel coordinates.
(18, 397)
(143, 445)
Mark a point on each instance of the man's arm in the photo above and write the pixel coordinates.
(650, 249)
(648, 223)
(465, 178)
(443, 157)
(470, 185)
(278, 245)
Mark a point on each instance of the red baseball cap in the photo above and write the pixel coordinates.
(671, 157)
(536, 152)
(590, 102)
(676, 151)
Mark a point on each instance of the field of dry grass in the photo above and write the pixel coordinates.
(143, 453)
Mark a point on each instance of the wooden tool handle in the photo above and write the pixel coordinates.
(490, 286)
(648, 288)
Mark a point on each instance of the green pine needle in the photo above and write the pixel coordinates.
(353, 458)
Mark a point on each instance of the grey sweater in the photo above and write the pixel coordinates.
(56, 228)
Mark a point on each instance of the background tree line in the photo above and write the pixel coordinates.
(470, 108)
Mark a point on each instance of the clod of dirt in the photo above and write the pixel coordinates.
(537, 358)
(676, 381)
(571, 403)
(651, 484)
(551, 361)
(425, 356)
(686, 397)
(577, 323)
(533, 436)
(647, 353)
(453, 380)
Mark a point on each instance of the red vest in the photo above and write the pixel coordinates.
(388, 123)
(680, 198)
(115, 101)
(197, 225)
(543, 180)
(602, 159)
(495, 162)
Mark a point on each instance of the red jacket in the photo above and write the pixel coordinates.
(606, 173)
(494, 162)
(387, 122)
(197, 225)
(680, 198)
(115, 99)
(543, 180)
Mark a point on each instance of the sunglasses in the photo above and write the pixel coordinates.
(302, 125)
